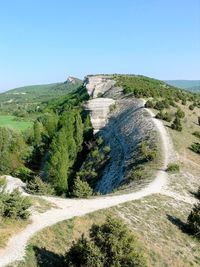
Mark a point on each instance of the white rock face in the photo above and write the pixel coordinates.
(14, 183)
(96, 85)
(99, 109)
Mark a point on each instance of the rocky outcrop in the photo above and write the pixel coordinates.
(98, 109)
(99, 84)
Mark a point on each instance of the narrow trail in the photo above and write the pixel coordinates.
(69, 208)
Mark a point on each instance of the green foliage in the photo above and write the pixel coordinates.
(30, 99)
(136, 174)
(142, 86)
(195, 147)
(2, 182)
(149, 104)
(197, 134)
(194, 220)
(37, 187)
(179, 113)
(164, 116)
(12, 122)
(176, 125)
(23, 173)
(191, 107)
(13, 151)
(173, 167)
(57, 166)
(14, 205)
(160, 105)
(97, 158)
(147, 152)
(111, 244)
(81, 189)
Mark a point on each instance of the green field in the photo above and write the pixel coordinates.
(11, 122)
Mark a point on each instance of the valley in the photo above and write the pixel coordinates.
(152, 201)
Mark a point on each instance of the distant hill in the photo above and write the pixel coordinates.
(39, 93)
(191, 85)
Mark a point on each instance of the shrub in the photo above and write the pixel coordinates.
(164, 116)
(195, 147)
(106, 149)
(176, 125)
(160, 105)
(23, 173)
(197, 134)
(184, 102)
(147, 152)
(38, 187)
(173, 167)
(81, 189)
(191, 107)
(149, 104)
(135, 175)
(111, 244)
(14, 205)
(179, 113)
(2, 182)
(194, 220)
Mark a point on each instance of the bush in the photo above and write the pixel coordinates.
(191, 107)
(38, 187)
(136, 174)
(149, 104)
(194, 220)
(160, 105)
(111, 244)
(81, 189)
(176, 125)
(184, 102)
(197, 134)
(179, 113)
(14, 205)
(23, 173)
(164, 116)
(195, 147)
(2, 182)
(147, 152)
(106, 149)
(173, 167)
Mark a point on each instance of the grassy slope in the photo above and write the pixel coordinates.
(9, 227)
(164, 244)
(39, 93)
(11, 122)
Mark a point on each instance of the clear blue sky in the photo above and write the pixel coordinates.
(44, 41)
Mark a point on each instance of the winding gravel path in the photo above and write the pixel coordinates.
(68, 208)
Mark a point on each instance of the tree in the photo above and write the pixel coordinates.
(176, 125)
(194, 220)
(81, 189)
(57, 167)
(37, 130)
(78, 131)
(179, 113)
(111, 244)
(13, 151)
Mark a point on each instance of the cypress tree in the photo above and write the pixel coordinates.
(58, 163)
(78, 131)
